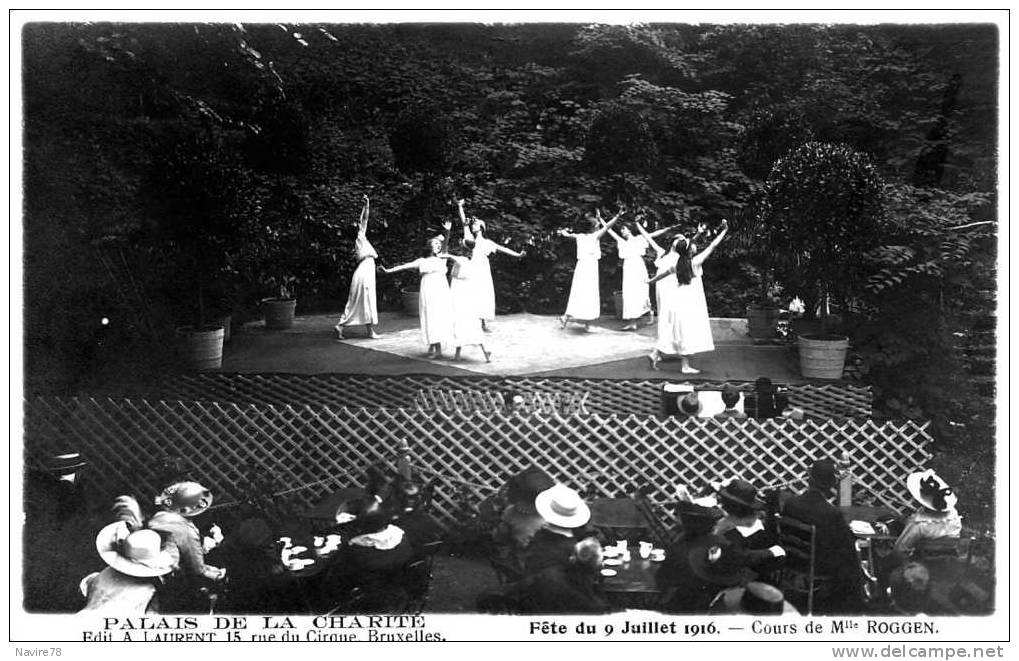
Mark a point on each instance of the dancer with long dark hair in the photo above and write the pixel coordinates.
(584, 304)
(632, 248)
(689, 328)
(481, 275)
(361, 308)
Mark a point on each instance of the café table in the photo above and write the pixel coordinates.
(633, 585)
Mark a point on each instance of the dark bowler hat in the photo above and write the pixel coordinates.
(525, 486)
(824, 473)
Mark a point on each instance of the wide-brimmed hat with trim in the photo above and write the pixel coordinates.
(138, 554)
(186, 498)
(757, 598)
(524, 487)
(740, 492)
(931, 491)
(562, 506)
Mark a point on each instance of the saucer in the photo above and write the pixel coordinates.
(612, 561)
(608, 572)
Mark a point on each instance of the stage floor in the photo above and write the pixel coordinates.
(521, 344)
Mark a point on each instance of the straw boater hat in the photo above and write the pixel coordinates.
(186, 498)
(139, 554)
(757, 599)
(562, 506)
(931, 491)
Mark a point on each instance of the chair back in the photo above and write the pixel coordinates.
(799, 539)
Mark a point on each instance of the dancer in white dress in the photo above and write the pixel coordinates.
(636, 301)
(435, 302)
(361, 308)
(584, 304)
(466, 322)
(689, 329)
(474, 235)
(665, 289)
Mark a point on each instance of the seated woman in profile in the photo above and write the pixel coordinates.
(743, 527)
(936, 518)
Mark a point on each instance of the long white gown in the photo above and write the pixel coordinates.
(482, 278)
(636, 301)
(665, 296)
(361, 305)
(435, 302)
(691, 327)
(585, 303)
(463, 288)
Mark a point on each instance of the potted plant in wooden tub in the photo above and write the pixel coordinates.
(824, 212)
(197, 182)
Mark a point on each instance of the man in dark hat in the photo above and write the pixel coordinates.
(835, 553)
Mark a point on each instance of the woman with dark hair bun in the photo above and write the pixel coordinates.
(361, 308)
(689, 326)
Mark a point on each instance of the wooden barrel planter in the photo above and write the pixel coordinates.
(411, 301)
(279, 312)
(202, 348)
(226, 321)
(822, 358)
(762, 322)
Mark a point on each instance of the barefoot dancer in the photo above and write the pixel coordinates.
(690, 328)
(361, 307)
(481, 276)
(434, 299)
(665, 289)
(466, 323)
(584, 305)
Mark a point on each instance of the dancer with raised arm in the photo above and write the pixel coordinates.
(665, 289)
(636, 301)
(584, 304)
(361, 308)
(435, 303)
(481, 276)
(689, 331)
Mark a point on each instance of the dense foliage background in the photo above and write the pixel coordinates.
(176, 171)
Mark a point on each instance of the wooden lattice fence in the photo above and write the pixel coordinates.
(314, 450)
(820, 401)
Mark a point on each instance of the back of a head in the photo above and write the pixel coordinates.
(587, 553)
(730, 395)
(823, 474)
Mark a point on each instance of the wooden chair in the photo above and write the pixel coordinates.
(799, 574)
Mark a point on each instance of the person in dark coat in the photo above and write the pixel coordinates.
(835, 551)
(742, 525)
(558, 588)
(683, 589)
(565, 516)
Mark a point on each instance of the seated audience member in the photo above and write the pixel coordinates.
(936, 517)
(742, 526)
(178, 503)
(55, 494)
(766, 401)
(249, 556)
(755, 598)
(690, 405)
(137, 559)
(730, 397)
(564, 515)
(909, 587)
(698, 564)
(836, 558)
(520, 520)
(561, 588)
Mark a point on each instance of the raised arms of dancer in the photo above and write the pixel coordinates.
(704, 254)
(362, 225)
(659, 251)
(607, 227)
(468, 239)
(601, 223)
(402, 267)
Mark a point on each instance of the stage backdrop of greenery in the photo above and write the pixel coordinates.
(175, 171)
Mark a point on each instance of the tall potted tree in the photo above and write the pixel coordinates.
(825, 211)
(196, 181)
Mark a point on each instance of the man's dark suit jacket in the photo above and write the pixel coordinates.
(835, 552)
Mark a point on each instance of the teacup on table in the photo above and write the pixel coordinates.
(657, 555)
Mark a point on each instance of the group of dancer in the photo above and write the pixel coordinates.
(457, 311)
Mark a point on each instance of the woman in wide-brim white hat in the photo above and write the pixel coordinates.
(936, 518)
(136, 561)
